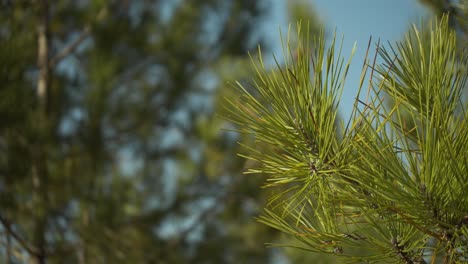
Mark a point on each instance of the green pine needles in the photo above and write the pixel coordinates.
(390, 184)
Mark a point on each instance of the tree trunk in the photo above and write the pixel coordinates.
(43, 55)
(39, 170)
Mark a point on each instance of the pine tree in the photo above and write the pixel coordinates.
(391, 180)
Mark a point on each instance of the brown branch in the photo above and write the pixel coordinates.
(403, 255)
(24, 244)
(75, 44)
(416, 225)
(8, 248)
(71, 47)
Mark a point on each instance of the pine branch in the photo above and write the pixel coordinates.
(385, 159)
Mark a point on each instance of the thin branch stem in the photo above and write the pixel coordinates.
(24, 244)
(8, 248)
(71, 47)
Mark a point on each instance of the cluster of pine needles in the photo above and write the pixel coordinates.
(390, 183)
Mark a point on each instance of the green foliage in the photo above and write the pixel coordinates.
(392, 180)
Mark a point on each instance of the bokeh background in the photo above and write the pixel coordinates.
(111, 145)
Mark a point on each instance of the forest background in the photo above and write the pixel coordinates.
(111, 150)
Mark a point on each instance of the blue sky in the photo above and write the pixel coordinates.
(358, 20)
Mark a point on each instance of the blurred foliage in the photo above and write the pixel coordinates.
(126, 162)
(457, 9)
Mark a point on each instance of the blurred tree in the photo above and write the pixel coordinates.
(109, 150)
(458, 13)
(394, 188)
